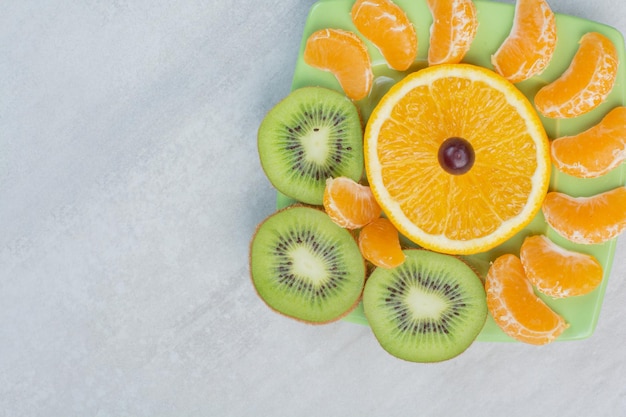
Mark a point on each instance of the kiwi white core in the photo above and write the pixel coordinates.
(307, 265)
(423, 305)
(316, 145)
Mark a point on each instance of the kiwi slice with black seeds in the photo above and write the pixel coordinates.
(313, 134)
(305, 266)
(429, 309)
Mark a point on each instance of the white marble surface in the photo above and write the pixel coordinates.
(129, 190)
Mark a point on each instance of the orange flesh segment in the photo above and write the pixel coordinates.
(415, 158)
(585, 84)
(388, 27)
(350, 204)
(427, 204)
(514, 306)
(454, 27)
(343, 54)
(587, 220)
(380, 244)
(594, 152)
(558, 272)
(528, 49)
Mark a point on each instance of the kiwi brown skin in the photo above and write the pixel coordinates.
(280, 139)
(314, 323)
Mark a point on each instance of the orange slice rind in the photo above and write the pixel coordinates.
(457, 214)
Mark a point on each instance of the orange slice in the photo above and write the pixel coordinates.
(453, 30)
(587, 220)
(349, 204)
(514, 306)
(529, 47)
(343, 54)
(380, 244)
(585, 84)
(388, 27)
(461, 205)
(556, 271)
(594, 152)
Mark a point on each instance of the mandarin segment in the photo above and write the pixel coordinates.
(448, 212)
(529, 47)
(454, 27)
(514, 306)
(388, 27)
(379, 243)
(345, 55)
(594, 152)
(350, 204)
(585, 84)
(587, 220)
(556, 271)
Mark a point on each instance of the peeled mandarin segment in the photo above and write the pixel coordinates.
(585, 84)
(453, 30)
(529, 47)
(558, 272)
(350, 204)
(594, 152)
(343, 54)
(388, 27)
(380, 244)
(514, 306)
(587, 220)
(481, 208)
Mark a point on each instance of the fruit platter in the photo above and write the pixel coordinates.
(446, 172)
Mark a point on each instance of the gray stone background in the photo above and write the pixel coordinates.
(129, 189)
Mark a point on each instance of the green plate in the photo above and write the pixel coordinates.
(495, 23)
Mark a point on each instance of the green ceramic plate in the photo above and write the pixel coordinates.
(495, 23)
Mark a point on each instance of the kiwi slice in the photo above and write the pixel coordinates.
(312, 134)
(305, 266)
(429, 309)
